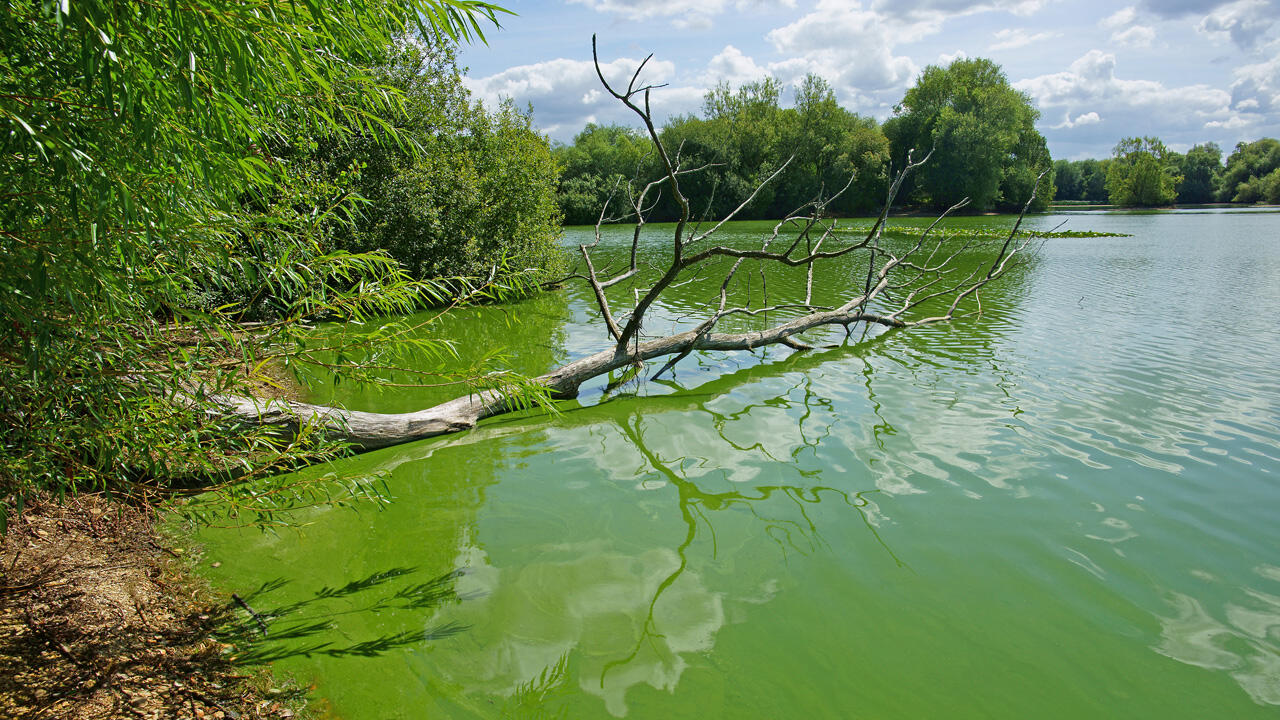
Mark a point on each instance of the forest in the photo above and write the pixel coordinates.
(1144, 172)
(982, 132)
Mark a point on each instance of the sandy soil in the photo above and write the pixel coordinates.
(99, 620)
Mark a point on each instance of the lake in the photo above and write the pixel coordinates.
(1066, 507)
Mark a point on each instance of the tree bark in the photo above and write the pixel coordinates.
(369, 430)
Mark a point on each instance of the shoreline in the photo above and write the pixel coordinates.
(100, 617)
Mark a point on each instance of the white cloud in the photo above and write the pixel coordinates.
(1120, 18)
(1092, 78)
(1141, 107)
(1009, 38)
(1235, 122)
(852, 44)
(918, 9)
(1256, 87)
(686, 14)
(1181, 8)
(1246, 22)
(851, 47)
(731, 66)
(1136, 36)
(1125, 32)
(1089, 118)
(566, 94)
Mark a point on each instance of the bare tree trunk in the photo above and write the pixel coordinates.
(897, 283)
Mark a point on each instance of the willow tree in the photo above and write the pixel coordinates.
(468, 185)
(1142, 173)
(830, 145)
(1252, 173)
(1201, 170)
(144, 218)
(982, 130)
(930, 277)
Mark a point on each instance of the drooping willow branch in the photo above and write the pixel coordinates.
(901, 281)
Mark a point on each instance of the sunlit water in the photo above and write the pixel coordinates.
(1068, 507)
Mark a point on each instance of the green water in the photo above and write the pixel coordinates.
(1067, 508)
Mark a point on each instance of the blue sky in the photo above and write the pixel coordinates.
(1187, 71)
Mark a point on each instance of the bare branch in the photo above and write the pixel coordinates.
(900, 278)
(740, 207)
(601, 300)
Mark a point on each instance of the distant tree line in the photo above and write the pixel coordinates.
(1143, 172)
(980, 129)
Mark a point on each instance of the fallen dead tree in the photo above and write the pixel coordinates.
(905, 286)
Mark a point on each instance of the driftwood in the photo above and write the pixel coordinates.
(898, 281)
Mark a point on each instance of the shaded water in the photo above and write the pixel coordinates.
(1069, 507)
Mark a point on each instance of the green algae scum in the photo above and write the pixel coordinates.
(1068, 507)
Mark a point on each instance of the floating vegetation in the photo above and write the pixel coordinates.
(1074, 234)
(985, 232)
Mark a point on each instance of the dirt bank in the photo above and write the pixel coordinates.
(99, 620)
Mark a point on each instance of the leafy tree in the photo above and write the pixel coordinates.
(600, 158)
(738, 140)
(1142, 173)
(720, 188)
(740, 134)
(1093, 180)
(1029, 157)
(747, 119)
(1260, 189)
(982, 132)
(1201, 169)
(1271, 187)
(743, 137)
(613, 150)
(1243, 178)
(1067, 180)
(139, 177)
(830, 146)
(466, 188)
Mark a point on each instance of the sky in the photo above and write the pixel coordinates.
(1186, 71)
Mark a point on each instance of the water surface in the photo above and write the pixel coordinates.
(1067, 507)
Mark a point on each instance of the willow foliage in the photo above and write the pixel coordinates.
(476, 185)
(1142, 173)
(982, 133)
(144, 219)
